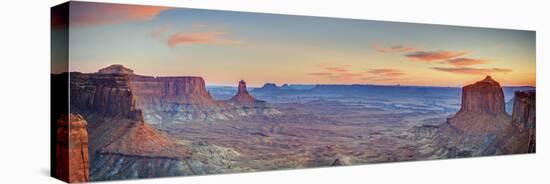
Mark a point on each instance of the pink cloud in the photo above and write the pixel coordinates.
(200, 38)
(429, 56)
(339, 72)
(337, 69)
(89, 14)
(344, 73)
(472, 71)
(387, 72)
(320, 73)
(460, 62)
(393, 49)
(383, 75)
(377, 79)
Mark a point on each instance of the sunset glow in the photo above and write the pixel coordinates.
(225, 47)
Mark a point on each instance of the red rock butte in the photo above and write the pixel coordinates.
(482, 110)
(484, 96)
(243, 97)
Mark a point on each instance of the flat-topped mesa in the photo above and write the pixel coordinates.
(484, 96)
(176, 99)
(267, 87)
(116, 69)
(482, 110)
(243, 97)
(188, 90)
(106, 94)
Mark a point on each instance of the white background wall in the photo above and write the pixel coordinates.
(24, 90)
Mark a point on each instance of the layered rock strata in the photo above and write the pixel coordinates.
(121, 144)
(482, 110)
(72, 149)
(482, 127)
(176, 100)
(521, 135)
(168, 100)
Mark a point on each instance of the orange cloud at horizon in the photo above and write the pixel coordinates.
(200, 38)
(429, 56)
(393, 49)
(473, 71)
(459, 62)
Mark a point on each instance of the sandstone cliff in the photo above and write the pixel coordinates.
(163, 100)
(176, 99)
(520, 137)
(482, 127)
(105, 94)
(482, 110)
(523, 114)
(121, 144)
(484, 96)
(72, 149)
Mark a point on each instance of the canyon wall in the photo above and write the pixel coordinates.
(523, 113)
(167, 100)
(122, 145)
(105, 94)
(521, 135)
(116, 91)
(72, 149)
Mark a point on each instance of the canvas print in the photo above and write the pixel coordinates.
(145, 91)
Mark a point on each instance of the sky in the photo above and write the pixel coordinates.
(224, 47)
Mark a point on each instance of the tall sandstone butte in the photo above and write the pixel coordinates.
(484, 96)
(243, 97)
(72, 148)
(482, 110)
(246, 105)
